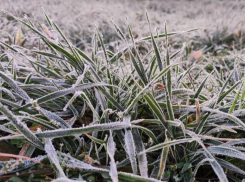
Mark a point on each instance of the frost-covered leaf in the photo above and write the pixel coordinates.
(63, 179)
(229, 166)
(130, 146)
(8, 167)
(215, 165)
(142, 159)
(78, 131)
(148, 132)
(76, 164)
(15, 86)
(18, 124)
(163, 161)
(168, 144)
(111, 148)
(227, 151)
(61, 93)
(7, 92)
(52, 155)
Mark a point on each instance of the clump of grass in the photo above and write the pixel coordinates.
(119, 116)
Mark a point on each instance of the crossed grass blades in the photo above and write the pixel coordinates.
(119, 116)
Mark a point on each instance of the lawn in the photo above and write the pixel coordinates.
(123, 100)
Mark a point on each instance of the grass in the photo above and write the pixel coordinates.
(146, 112)
(78, 26)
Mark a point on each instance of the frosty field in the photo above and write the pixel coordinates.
(122, 91)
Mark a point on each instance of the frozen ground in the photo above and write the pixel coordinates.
(79, 17)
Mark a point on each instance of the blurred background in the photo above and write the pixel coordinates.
(217, 20)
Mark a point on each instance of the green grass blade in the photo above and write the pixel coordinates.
(235, 100)
(163, 161)
(226, 151)
(130, 145)
(142, 159)
(156, 109)
(227, 92)
(168, 144)
(15, 86)
(111, 148)
(21, 127)
(53, 158)
(78, 131)
(201, 86)
(148, 132)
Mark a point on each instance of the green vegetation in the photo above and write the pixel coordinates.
(146, 112)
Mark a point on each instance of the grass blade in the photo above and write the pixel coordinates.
(21, 127)
(50, 150)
